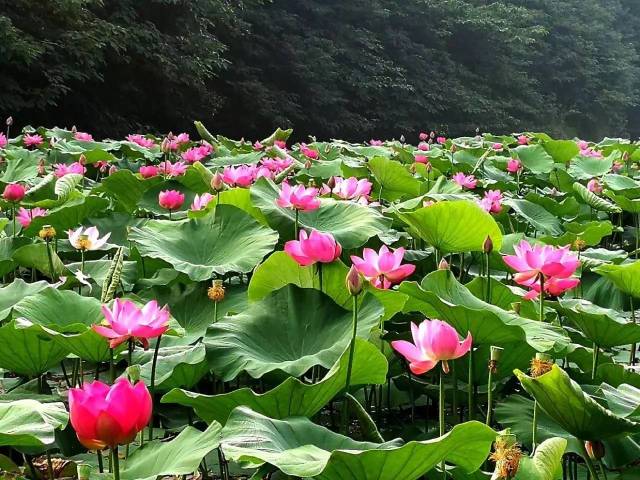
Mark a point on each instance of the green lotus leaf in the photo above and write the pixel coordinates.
(623, 400)
(69, 215)
(393, 180)
(298, 447)
(546, 463)
(591, 233)
(586, 168)
(125, 187)
(29, 423)
(626, 204)
(8, 245)
(625, 277)
(619, 183)
(454, 226)
(571, 408)
(536, 216)
(229, 241)
(562, 151)
(593, 200)
(292, 398)
(177, 367)
(22, 165)
(36, 256)
(291, 330)
(535, 158)
(350, 223)
(12, 293)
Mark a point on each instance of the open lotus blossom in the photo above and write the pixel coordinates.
(514, 165)
(26, 216)
(32, 140)
(125, 321)
(200, 202)
(594, 186)
(497, 147)
(423, 136)
(257, 145)
(433, 341)
(14, 192)
(376, 143)
(351, 188)
(195, 154)
(441, 140)
(169, 169)
(523, 140)
(554, 266)
(83, 136)
(148, 171)
(105, 416)
(182, 138)
(140, 140)
(309, 152)
(315, 247)
(3, 140)
(87, 239)
(424, 147)
(277, 164)
(280, 144)
(465, 181)
(384, 268)
(492, 201)
(171, 199)
(240, 176)
(587, 151)
(299, 197)
(62, 169)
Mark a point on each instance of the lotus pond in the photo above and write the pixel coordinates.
(443, 308)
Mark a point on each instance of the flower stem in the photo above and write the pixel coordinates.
(489, 397)
(320, 274)
(13, 217)
(295, 228)
(470, 397)
(116, 463)
(100, 464)
(129, 359)
(488, 280)
(587, 460)
(153, 383)
(541, 298)
(50, 258)
(534, 431)
(441, 417)
(112, 370)
(82, 261)
(594, 365)
(352, 347)
(632, 355)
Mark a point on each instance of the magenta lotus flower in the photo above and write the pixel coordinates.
(424, 147)
(433, 341)
(277, 164)
(298, 197)
(492, 201)
(104, 416)
(34, 140)
(587, 151)
(140, 140)
(257, 145)
(170, 199)
(263, 171)
(83, 136)
(497, 147)
(169, 169)
(148, 171)
(383, 269)
(594, 186)
(309, 152)
(87, 239)
(14, 192)
(421, 159)
(351, 188)
(281, 144)
(523, 140)
(465, 181)
(316, 247)
(3, 140)
(61, 169)
(200, 202)
(240, 176)
(514, 165)
(423, 136)
(441, 140)
(376, 143)
(26, 216)
(182, 138)
(195, 154)
(553, 286)
(125, 321)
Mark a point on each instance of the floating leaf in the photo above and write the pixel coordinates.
(29, 423)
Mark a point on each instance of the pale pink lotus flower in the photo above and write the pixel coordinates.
(616, 167)
(200, 202)
(546, 262)
(421, 159)
(281, 144)
(423, 136)
(125, 321)
(587, 151)
(433, 341)
(309, 152)
(465, 181)
(523, 140)
(140, 140)
(262, 171)
(424, 147)
(441, 140)
(594, 186)
(3, 140)
(101, 165)
(257, 145)
(170, 199)
(83, 136)
(582, 145)
(26, 216)
(492, 201)
(61, 169)
(428, 203)
(169, 169)
(497, 147)
(277, 164)
(34, 140)
(383, 269)
(112, 169)
(194, 154)
(298, 197)
(351, 188)
(148, 171)
(376, 143)
(514, 165)
(315, 247)
(87, 239)
(182, 138)
(240, 176)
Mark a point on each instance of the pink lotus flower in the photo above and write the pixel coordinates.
(240, 176)
(195, 154)
(172, 169)
(465, 181)
(351, 188)
(171, 199)
(433, 341)
(148, 171)
(514, 165)
(421, 159)
(88, 239)
(376, 143)
(277, 164)
(309, 152)
(587, 151)
(281, 144)
(32, 140)
(383, 269)
(523, 140)
(594, 186)
(424, 147)
(200, 202)
(3, 140)
(26, 216)
(441, 140)
(497, 147)
(141, 140)
(263, 171)
(257, 146)
(104, 416)
(61, 169)
(547, 262)
(125, 321)
(423, 136)
(616, 167)
(317, 247)
(492, 201)
(14, 192)
(83, 136)
(182, 138)
(298, 197)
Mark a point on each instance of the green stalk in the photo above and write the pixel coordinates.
(153, 384)
(112, 370)
(295, 227)
(320, 274)
(352, 347)
(116, 464)
(82, 261)
(594, 365)
(489, 397)
(534, 431)
(441, 417)
(541, 298)
(632, 356)
(100, 464)
(488, 280)
(587, 460)
(454, 393)
(50, 258)
(13, 217)
(470, 397)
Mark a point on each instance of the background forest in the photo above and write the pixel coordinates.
(354, 69)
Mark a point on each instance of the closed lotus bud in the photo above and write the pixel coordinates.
(47, 233)
(453, 148)
(165, 145)
(9, 121)
(443, 265)
(625, 156)
(216, 182)
(487, 246)
(595, 449)
(541, 364)
(82, 160)
(331, 183)
(41, 169)
(307, 164)
(354, 281)
(216, 291)
(401, 138)
(74, 129)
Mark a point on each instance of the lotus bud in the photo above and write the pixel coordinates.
(541, 364)
(74, 130)
(401, 138)
(625, 156)
(595, 449)
(133, 372)
(496, 353)
(47, 233)
(9, 121)
(432, 135)
(354, 281)
(331, 183)
(82, 160)
(307, 164)
(453, 148)
(506, 455)
(84, 471)
(216, 182)
(412, 168)
(41, 169)
(216, 291)
(443, 265)
(487, 246)
(165, 145)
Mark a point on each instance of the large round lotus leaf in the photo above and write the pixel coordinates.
(350, 223)
(604, 327)
(393, 180)
(12, 293)
(626, 277)
(292, 398)
(537, 216)
(69, 215)
(623, 401)
(535, 158)
(177, 367)
(454, 226)
(229, 241)
(546, 463)
(291, 330)
(301, 448)
(29, 423)
(586, 168)
(571, 408)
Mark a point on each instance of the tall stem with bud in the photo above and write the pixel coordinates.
(354, 286)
